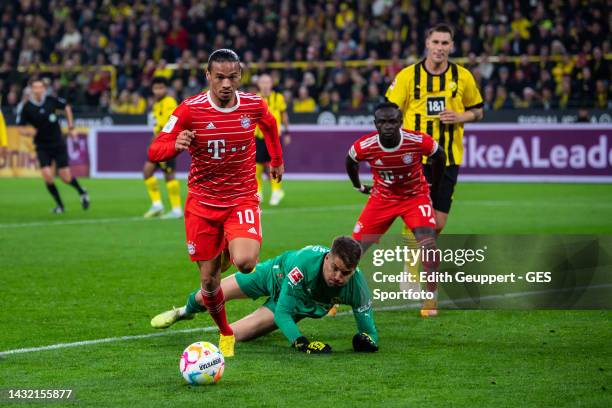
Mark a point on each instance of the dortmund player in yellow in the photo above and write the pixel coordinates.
(278, 108)
(437, 97)
(162, 109)
(3, 137)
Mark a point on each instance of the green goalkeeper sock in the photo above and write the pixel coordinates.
(192, 305)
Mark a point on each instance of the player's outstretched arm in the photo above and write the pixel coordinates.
(286, 308)
(70, 120)
(352, 169)
(361, 302)
(438, 166)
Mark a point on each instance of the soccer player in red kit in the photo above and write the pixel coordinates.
(222, 208)
(400, 188)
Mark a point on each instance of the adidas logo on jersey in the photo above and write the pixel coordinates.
(378, 162)
(252, 230)
(211, 126)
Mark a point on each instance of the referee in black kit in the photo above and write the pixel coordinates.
(41, 112)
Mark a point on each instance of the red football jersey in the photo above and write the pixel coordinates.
(398, 172)
(222, 169)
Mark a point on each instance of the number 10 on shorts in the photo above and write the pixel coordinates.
(247, 216)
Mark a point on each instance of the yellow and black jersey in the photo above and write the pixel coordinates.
(423, 96)
(3, 137)
(276, 104)
(161, 111)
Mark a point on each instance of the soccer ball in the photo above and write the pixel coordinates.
(202, 363)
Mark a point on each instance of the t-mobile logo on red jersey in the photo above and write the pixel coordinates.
(218, 146)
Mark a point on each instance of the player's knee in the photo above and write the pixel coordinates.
(210, 282)
(245, 263)
(440, 221)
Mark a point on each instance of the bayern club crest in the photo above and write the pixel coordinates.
(245, 121)
(191, 247)
(407, 158)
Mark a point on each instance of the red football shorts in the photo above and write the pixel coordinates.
(378, 215)
(210, 229)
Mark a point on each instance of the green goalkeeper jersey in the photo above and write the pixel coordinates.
(294, 280)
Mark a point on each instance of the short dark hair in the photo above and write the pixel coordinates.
(441, 28)
(348, 249)
(388, 105)
(222, 55)
(160, 80)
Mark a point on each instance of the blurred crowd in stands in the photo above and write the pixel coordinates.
(70, 42)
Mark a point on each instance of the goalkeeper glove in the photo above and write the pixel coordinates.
(311, 347)
(362, 342)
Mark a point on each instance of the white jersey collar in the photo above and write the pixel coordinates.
(224, 110)
(391, 149)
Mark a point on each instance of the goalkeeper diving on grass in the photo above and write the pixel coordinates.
(299, 284)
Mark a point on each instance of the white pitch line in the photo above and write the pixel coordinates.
(214, 328)
(106, 340)
(508, 203)
(133, 219)
(296, 210)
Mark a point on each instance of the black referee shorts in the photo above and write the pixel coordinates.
(53, 153)
(444, 200)
(261, 151)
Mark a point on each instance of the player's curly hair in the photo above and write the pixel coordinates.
(348, 249)
(222, 55)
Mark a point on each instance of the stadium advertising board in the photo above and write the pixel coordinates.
(19, 158)
(563, 153)
(521, 116)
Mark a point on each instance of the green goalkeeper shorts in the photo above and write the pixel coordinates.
(261, 282)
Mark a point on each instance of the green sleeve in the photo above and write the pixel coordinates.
(286, 307)
(365, 322)
(361, 302)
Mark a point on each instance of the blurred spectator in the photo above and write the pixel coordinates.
(140, 39)
(528, 99)
(489, 97)
(137, 104)
(602, 101)
(547, 102)
(374, 97)
(122, 104)
(304, 103)
(502, 101)
(565, 94)
(583, 115)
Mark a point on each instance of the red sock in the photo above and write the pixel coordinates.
(215, 303)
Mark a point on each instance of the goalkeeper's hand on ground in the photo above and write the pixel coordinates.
(362, 342)
(311, 347)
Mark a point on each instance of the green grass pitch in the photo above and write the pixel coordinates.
(106, 272)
